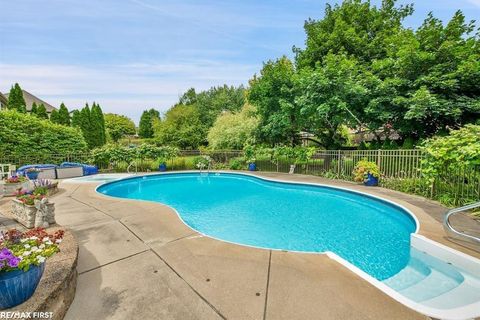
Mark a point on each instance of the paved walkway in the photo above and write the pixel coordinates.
(137, 260)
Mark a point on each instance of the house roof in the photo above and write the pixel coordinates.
(30, 99)
(3, 100)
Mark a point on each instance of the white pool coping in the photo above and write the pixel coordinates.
(84, 179)
(418, 241)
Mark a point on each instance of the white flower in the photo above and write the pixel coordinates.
(58, 241)
(48, 242)
(26, 253)
(23, 240)
(46, 239)
(41, 246)
(41, 259)
(33, 238)
(27, 246)
(34, 248)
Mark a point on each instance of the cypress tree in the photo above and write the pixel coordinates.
(63, 115)
(16, 100)
(54, 116)
(86, 126)
(76, 119)
(98, 125)
(145, 129)
(42, 112)
(34, 109)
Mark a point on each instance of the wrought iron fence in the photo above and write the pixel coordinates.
(400, 169)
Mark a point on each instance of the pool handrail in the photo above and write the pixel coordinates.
(450, 230)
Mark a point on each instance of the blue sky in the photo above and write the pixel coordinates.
(137, 54)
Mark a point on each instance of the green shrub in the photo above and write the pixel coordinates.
(237, 164)
(363, 168)
(24, 135)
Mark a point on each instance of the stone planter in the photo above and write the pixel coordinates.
(52, 189)
(23, 213)
(9, 189)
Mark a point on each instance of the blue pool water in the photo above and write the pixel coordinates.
(371, 234)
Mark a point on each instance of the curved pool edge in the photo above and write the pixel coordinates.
(393, 203)
(453, 314)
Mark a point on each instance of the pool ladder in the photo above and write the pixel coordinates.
(455, 233)
(130, 165)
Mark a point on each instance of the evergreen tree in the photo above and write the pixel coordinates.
(34, 109)
(63, 115)
(76, 119)
(98, 125)
(16, 100)
(42, 112)
(54, 117)
(145, 129)
(86, 126)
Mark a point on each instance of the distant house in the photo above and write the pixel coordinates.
(29, 100)
(3, 101)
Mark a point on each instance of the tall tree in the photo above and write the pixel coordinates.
(16, 100)
(55, 117)
(98, 125)
(273, 95)
(118, 126)
(76, 119)
(34, 109)
(42, 112)
(63, 115)
(145, 128)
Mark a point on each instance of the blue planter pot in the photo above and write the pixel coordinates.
(371, 181)
(32, 175)
(252, 167)
(17, 286)
(162, 167)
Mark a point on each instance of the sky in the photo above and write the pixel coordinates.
(130, 55)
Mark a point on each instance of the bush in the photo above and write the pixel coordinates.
(24, 135)
(237, 164)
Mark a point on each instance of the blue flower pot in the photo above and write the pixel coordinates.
(17, 286)
(32, 175)
(252, 167)
(371, 181)
(162, 167)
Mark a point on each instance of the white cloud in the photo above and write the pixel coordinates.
(126, 89)
(475, 2)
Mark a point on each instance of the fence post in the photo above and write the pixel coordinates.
(338, 163)
(379, 155)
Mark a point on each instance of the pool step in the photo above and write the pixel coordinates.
(434, 285)
(466, 293)
(413, 273)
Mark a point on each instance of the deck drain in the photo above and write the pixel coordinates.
(155, 271)
(208, 280)
(257, 294)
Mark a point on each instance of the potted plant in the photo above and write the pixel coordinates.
(366, 172)
(32, 173)
(12, 184)
(22, 262)
(52, 187)
(249, 154)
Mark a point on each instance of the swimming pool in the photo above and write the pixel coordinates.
(370, 233)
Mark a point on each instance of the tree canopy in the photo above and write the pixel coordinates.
(16, 100)
(118, 126)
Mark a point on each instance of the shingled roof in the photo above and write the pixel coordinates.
(30, 99)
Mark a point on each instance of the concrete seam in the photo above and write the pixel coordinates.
(268, 284)
(191, 287)
(111, 262)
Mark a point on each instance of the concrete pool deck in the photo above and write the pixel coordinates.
(137, 260)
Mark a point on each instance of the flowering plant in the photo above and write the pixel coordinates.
(15, 179)
(29, 199)
(203, 162)
(44, 183)
(20, 250)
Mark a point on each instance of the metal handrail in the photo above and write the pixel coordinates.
(452, 231)
(131, 164)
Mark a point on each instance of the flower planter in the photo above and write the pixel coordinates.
(18, 286)
(23, 213)
(252, 167)
(9, 189)
(371, 181)
(162, 167)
